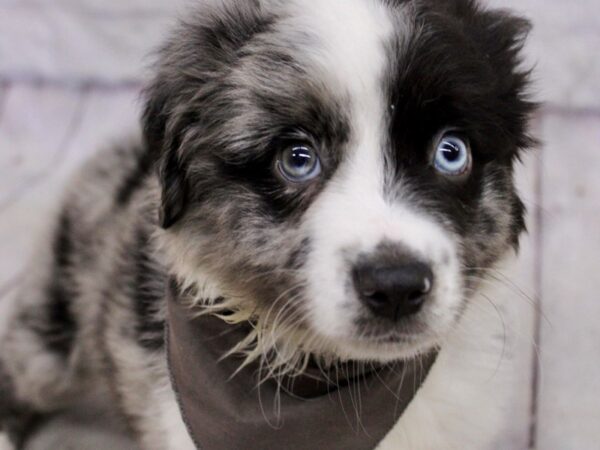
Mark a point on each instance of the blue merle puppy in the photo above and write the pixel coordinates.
(344, 164)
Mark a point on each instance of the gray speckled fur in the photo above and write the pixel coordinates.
(101, 263)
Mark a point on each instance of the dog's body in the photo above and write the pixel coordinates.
(116, 341)
(369, 84)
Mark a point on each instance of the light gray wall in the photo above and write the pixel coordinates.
(107, 40)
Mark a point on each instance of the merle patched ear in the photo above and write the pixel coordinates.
(188, 82)
(164, 153)
(174, 190)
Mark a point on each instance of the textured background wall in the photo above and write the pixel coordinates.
(70, 74)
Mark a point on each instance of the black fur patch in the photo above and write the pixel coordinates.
(58, 326)
(135, 178)
(148, 293)
(460, 72)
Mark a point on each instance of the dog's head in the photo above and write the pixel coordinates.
(339, 168)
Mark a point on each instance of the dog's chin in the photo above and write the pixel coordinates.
(367, 338)
(384, 348)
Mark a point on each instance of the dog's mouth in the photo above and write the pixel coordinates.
(380, 346)
(400, 335)
(394, 338)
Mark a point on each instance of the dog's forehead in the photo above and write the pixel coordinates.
(345, 42)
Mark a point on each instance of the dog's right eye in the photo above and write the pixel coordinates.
(298, 163)
(452, 155)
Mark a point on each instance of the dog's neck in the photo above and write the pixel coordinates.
(213, 390)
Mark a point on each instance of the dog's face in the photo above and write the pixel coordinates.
(343, 166)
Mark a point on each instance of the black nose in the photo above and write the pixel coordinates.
(393, 291)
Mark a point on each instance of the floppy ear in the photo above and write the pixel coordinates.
(203, 47)
(174, 190)
(170, 169)
(503, 35)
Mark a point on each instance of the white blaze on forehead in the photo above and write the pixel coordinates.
(347, 40)
(352, 216)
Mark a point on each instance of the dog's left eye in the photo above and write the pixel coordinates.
(452, 155)
(298, 163)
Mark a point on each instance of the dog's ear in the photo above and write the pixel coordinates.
(165, 154)
(201, 50)
(502, 36)
(174, 190)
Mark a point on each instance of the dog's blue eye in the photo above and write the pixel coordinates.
(299, 163)
(452, 156)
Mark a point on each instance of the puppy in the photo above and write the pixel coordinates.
(336, 173)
